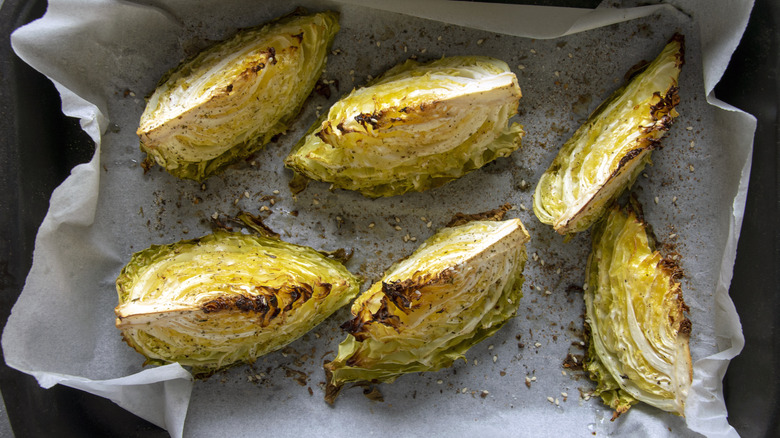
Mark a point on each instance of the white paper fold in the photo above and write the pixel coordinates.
(61, 329)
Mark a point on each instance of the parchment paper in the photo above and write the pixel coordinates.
(105, 56)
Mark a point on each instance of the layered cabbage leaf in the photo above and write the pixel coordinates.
(456, 289)
(608, 152)
(416, 127)
(225, 298)
(635, 314)
(231, 99)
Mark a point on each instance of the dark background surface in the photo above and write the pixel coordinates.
(39, 146)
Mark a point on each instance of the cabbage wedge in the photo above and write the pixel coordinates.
(635, 313)
(607, 153)
(416, 127)
(456, 289)
(231, 99)
(225, 298)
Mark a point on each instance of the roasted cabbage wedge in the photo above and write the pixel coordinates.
(416, 127)
(225, 298)
(608, 152)
(456, 289)
(635, 314)
(234, 97)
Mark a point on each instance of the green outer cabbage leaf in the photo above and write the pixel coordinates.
(456, 289)
(638, 340)
(416, 127)
(231, 99)
(607, 153)
(225, 298)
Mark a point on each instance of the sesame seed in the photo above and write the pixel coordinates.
(422, 218)
(547, 292)
(398, 228)
(406, 238)
(476, 362)
(571, 56)
(440, 381)
(132, 94)
(550, 399)
(693, 143)
(541, 262)
(339, 218)
(490, 347)
(564, 394)
(520, 67)
(429, 224)
(655, 199)
(463, 391)
(533, 379)
(235, 201)
(423, 50)
(557, 74)
(405, 48)
(535, 257)
(523, 207)
(689, 128)
(537, 344)
(397, 220)
(672, 236)
(275, 192)
(495, 358)
(371, 225)
(484, 393)
(413, 239)
(690, 167)
(527, 379)
(203, 186)
(315, 202)
(480, 41)
(438, 38)
(378, 44)
(563, 372)
(558, 271)
(557, 403)
(246, 194)
(674, 199)
(265, 208)
(533, 51)
(272, 201)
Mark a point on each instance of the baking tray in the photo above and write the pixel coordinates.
(39, 146)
